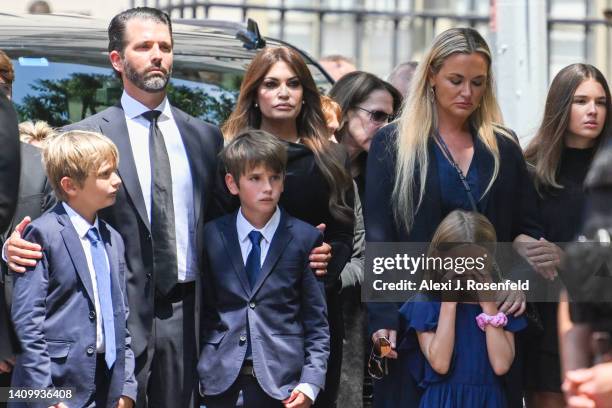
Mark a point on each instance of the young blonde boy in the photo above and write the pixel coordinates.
(70, 309)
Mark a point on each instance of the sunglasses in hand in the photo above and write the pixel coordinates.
(377, 363)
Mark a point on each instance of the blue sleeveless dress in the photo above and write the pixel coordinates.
(470, 381)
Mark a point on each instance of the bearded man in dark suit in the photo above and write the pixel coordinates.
(167, 163)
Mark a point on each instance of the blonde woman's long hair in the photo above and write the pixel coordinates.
(418, 120)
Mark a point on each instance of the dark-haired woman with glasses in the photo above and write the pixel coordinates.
(368, 103)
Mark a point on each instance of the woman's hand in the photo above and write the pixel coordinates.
(320, 256)
(543, 256)
(390, 335)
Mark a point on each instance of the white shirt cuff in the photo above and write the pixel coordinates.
(309, 390)
(4, 257)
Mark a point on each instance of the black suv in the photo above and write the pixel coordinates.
(62, 71)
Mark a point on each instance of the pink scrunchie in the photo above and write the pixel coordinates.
(498, 320)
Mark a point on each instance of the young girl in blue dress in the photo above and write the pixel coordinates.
(459, 344)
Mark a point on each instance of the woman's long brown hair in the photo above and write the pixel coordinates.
(544, 151)
(310, 122)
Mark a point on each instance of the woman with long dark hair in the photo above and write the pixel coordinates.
(575, 124)
(279, 95)
(367, 103)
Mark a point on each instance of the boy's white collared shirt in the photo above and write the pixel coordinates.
(82, 226)
(244, 227)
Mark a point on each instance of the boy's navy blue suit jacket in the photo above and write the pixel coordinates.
(285, 311)
(54, 314)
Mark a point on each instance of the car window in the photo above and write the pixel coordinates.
(47, 88)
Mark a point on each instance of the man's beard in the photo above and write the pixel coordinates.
(152, 84)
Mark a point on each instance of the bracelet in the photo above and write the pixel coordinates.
(498, 320)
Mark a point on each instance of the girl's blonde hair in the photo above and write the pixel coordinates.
(464, 227)
(459, 228)
(418, 120)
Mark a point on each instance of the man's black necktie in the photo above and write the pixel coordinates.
(162, 209)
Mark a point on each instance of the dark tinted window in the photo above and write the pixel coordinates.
(61, 93)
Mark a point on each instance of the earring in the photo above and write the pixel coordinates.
(431, 92)
(256, 105)
(303, 102)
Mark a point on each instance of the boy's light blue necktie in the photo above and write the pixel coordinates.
(98, 257)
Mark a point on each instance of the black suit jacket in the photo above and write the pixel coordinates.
(9, 185)
(202, 142)
(9, 162)
(35, 197)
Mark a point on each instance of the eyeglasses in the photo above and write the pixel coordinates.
(377, 363)
(377, 116)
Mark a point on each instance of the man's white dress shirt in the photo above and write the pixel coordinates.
(182, 184)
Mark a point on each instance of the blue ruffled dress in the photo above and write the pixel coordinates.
(470, 381)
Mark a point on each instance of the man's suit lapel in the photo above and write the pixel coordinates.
(229, 234)
(281, 238)
(115, 128)
(75, 249)
(194, 155)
